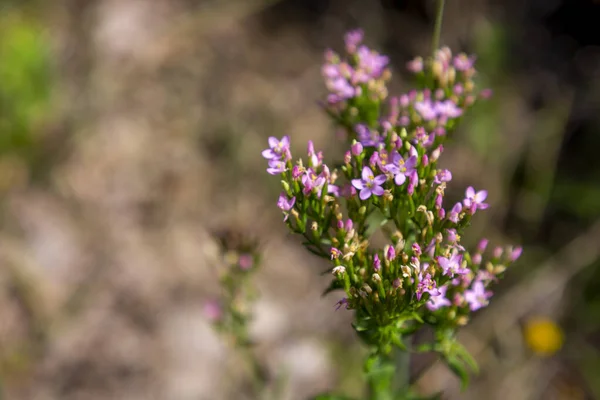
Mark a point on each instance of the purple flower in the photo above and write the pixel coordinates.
(369, 184)
(342, 302)
(312, 182)
(400, 168)
(245, 261)
(462, 62)
(443, 176)
(415, 65)
(426, 109)
(477, 296)
(276, 167)
(475, 201)
(371, 62)
(454, 213)
(357, 148)
(341, 88)
(376, 263)
(278, 149)
(515, 254)
(438, 301)
(212, 310)
(447, 109)
(366, 136)
(391, 253)
(452, 265)
(352, 39)
(426, 285)
(482, 245)
(284, 203)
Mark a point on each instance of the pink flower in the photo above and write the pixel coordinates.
(369, 184)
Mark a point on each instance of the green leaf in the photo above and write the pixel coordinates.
(458, 368)
(460, 351)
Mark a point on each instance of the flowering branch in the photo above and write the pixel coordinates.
(390, 179)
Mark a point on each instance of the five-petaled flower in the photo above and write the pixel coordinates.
(285, 204)
(427, 285)
(452, 265)
(438, 301)
(475, 201)
(400, 168)
(477, 296)
(369, 184)
(278, 149)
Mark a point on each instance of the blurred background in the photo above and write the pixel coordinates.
(131, 131)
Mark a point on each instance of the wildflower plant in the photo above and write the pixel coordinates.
(230, 313)
(389, 179)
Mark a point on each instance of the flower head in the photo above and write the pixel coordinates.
(438, 301)
(401, 168)
(369, 184)
(475, 200)
(278, 149)
(477, 296)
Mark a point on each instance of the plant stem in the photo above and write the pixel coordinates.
(401, 379)
(437, 30)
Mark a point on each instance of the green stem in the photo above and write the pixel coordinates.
(437, 30)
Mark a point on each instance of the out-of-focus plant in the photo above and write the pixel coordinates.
(230, 313)
(25, 84)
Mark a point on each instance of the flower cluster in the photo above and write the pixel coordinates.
(390, 180)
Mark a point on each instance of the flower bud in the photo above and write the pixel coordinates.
(339, 270)
(416, 249)
(362, 210)
(376, 263)
(498, 252)
(482, 245)
(515, 254)
(357, 148)
(397, 283)
(349, 225)
(425, 160)
(435, 155)
(314, 226)
(376, 278)
(391, 253)
(476, 258)
(347, 157)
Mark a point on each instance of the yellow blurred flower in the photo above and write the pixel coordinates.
(543, 336)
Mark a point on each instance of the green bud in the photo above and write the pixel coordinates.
(362, 210)
(286, 186)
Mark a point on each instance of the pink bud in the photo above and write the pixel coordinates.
(357, 149)
(482, 245)
(516, 253)
(498, 252)
(245, 261)
(349, 225)
(347, 157)
(391, 253)
(376, 263)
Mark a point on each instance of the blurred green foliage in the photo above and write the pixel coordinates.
(25, 83)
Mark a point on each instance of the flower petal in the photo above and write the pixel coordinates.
(367, 173)
(365, 193)
(273, 141)
(470, 193)
(380, 179)
(481, 196)
(377, 190)
(400, 179)
(358, 183)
